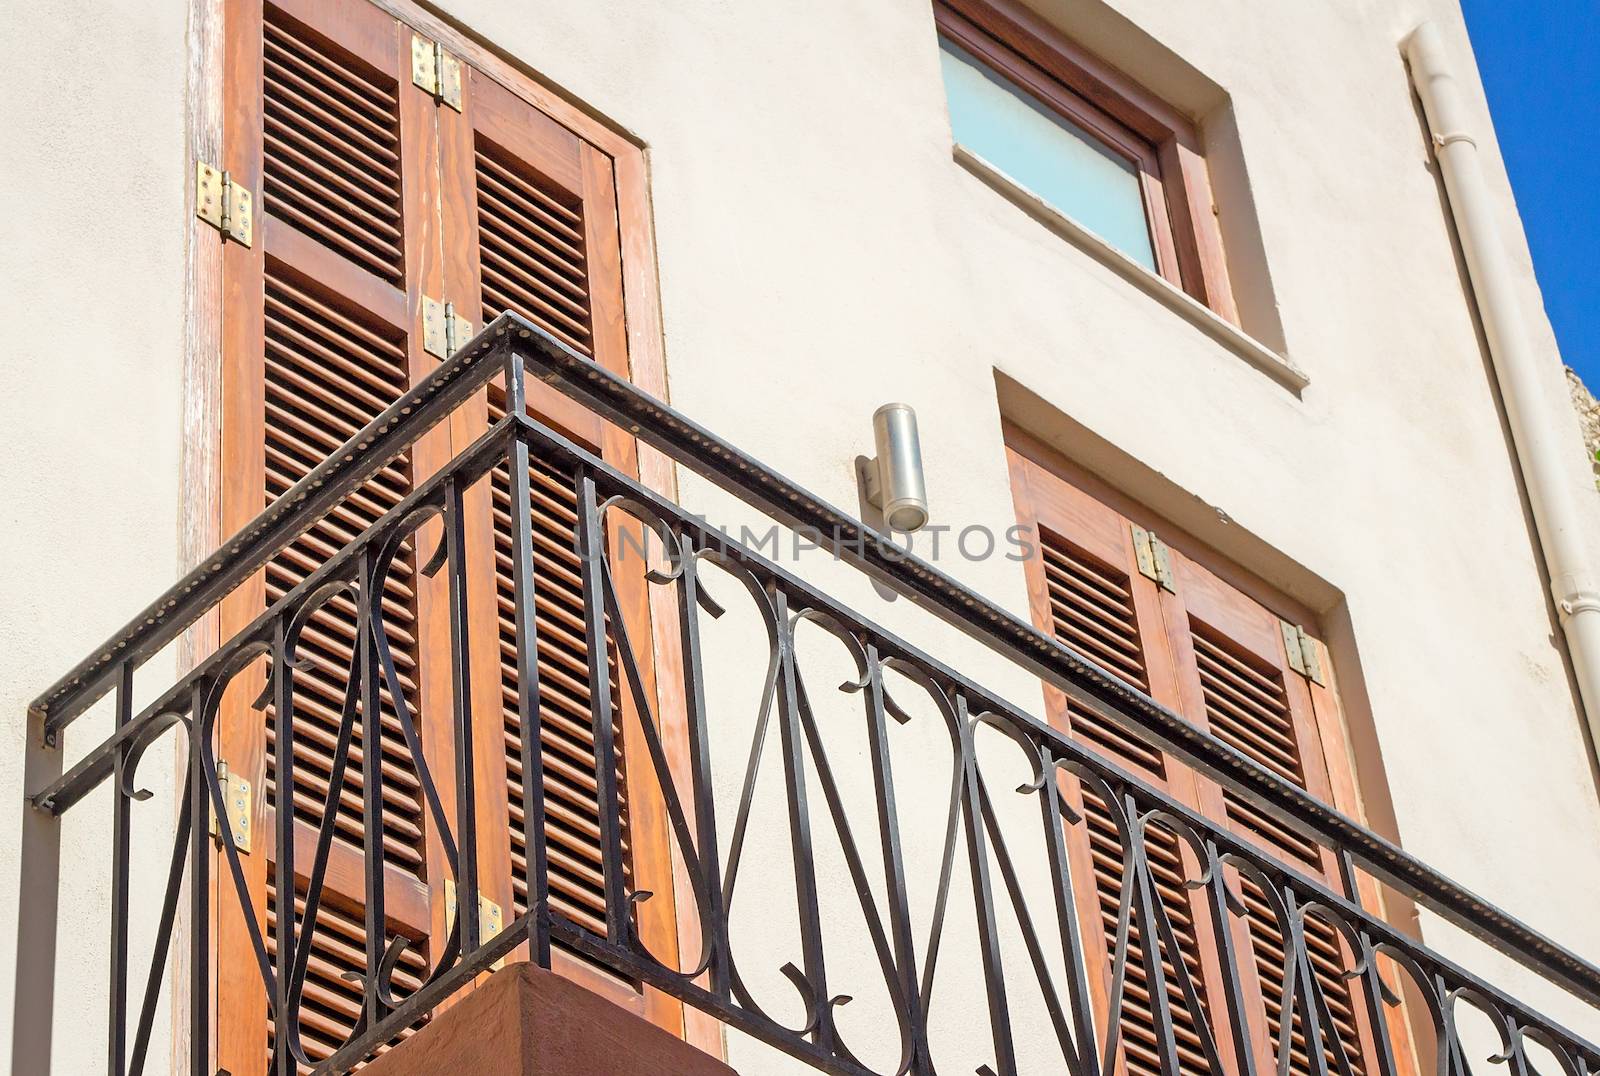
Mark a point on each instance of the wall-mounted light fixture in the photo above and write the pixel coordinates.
(892, 480)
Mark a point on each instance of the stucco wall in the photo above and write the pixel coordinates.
(92, 233)
(820, 252)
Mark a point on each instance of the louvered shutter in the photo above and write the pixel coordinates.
(1236, 681)
(318, 324)
(370, 196)
(1086, 591)
(539, 204)
(1215, 653)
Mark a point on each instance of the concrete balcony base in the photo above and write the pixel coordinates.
(525, 1021)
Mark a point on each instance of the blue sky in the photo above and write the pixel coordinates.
(1541, 66)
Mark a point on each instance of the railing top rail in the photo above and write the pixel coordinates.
(693, 446)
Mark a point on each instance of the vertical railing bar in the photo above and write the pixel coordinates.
(199, 889)
(375, 920)
(591, 551)
(1518, 1059)
(160, 952)
(894, 860)
(1218, 899)
(283, 823)
(1454, 1062)
(1371, 979)
(983, 896)
(1149, 939)
(455, 539)
(808, 903)
(1054, 812)
(713, 917)
(1030, 937)
(1307, 990)
(529, 717)
(947, 851)
(1192, 998)
(326, 825)
(121, 808)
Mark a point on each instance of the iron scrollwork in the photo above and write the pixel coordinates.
(1026, 920)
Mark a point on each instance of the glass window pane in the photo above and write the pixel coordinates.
(1050, 155)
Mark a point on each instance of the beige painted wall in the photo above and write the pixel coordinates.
(820, 252)
(92, 233)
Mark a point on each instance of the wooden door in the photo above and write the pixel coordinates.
(1210, 646)
(371, 195)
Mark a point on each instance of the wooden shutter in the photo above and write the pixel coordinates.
(1085, 589)
(320, 317)
(537, 204)
(1236, 681)
(1212, 649)
(532, 261)
(372, 195)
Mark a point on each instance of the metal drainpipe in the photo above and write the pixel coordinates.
(1541, 441)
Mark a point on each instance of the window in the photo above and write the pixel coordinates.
(1065, 163)
(1209, 644)
(1085, 139)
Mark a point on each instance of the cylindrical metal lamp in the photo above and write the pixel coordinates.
(894, 479)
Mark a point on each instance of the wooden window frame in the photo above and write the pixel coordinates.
(205, 451)
(1162, 144)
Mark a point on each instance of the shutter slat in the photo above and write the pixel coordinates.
(313, 164)
(1139, 1043)
(526, 291)
(331, 1005)
(380, 224)
(361, 93)
(290, 310)
(1092, 611)
(292, 69)
(508, 181)
(558, 271)
(310, 408)
(531, 249)
(331, 141)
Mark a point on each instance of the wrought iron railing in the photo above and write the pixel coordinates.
(1028, 953)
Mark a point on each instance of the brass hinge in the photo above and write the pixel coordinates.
(489, 916)
(436, 71)
(1151, 554)
(1302, 651)
(236, 799)
(443, 330)
(222, 203)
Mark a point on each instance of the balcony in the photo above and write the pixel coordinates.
(940, 889)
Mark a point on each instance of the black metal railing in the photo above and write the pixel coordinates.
(1015, 913)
